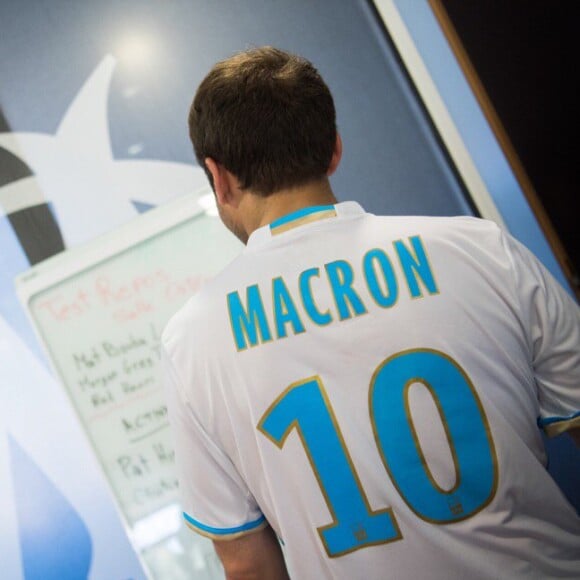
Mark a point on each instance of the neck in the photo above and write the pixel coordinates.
(285, 201)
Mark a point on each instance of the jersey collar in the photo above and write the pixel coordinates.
(303, 217)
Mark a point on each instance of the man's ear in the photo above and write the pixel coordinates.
(225, 184)
(336, 156)
(219, 183)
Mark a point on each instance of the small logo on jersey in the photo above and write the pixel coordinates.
(359, 533)
(455, 506)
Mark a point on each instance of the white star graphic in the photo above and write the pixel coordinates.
(74, 169)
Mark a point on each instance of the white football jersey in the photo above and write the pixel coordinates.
(372, 387)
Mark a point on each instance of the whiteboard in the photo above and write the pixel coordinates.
(99, 311)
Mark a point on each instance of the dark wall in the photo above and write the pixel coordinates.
(524, 52)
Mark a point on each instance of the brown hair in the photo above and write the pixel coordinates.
(268, 117)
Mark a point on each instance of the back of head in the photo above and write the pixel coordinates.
(266, 116)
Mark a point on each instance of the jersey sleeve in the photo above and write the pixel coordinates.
(216, 502)
(552, 319)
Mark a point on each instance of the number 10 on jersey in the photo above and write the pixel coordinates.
(304, 406)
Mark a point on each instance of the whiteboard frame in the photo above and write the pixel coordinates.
(60, 267)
